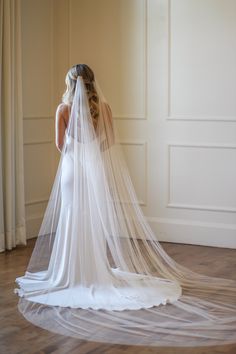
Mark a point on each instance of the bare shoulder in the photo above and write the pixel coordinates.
(62, 109)
(62, 112)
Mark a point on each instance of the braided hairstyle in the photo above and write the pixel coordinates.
(88, 78)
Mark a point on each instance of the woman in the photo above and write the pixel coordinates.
(96, 260)
(64, 108)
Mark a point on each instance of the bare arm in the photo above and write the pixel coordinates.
(60, 126)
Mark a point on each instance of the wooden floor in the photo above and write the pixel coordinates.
(19, 336)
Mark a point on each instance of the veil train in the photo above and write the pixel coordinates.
(97, 271)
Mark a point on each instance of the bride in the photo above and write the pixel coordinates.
(97, 270)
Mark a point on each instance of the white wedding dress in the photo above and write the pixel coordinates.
(99, 286)
(97, 271)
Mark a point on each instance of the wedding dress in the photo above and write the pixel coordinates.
(98, 271)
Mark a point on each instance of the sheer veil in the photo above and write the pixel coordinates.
(97, 271)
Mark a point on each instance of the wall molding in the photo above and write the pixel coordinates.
(36, 201)
(201, 207)
(205, 118)
(184, 117)
(200, 145)
(171, 230)
(129, 117)
(37, 117)
(38, 142)
(214, 208)
(172, 221)
(132, 142)
(176, 230)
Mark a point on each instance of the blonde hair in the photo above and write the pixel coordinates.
(88, 78)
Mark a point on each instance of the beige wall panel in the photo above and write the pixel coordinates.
(110, 37)
(38, 170)
(38, 108)
(60, 48)
(203, 177)
(203, 57)
(38, 130)
(37, 57)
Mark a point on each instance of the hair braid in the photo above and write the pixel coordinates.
(88, 78)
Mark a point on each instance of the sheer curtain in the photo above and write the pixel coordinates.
(12, 203)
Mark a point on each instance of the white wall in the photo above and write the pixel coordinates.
(193, 112)
(167, 69)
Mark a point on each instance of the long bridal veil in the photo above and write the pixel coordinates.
(97, 271)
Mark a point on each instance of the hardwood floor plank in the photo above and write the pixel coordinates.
(17, 336)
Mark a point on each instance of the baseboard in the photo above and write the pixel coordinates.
(194, 232)
(173, 230)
